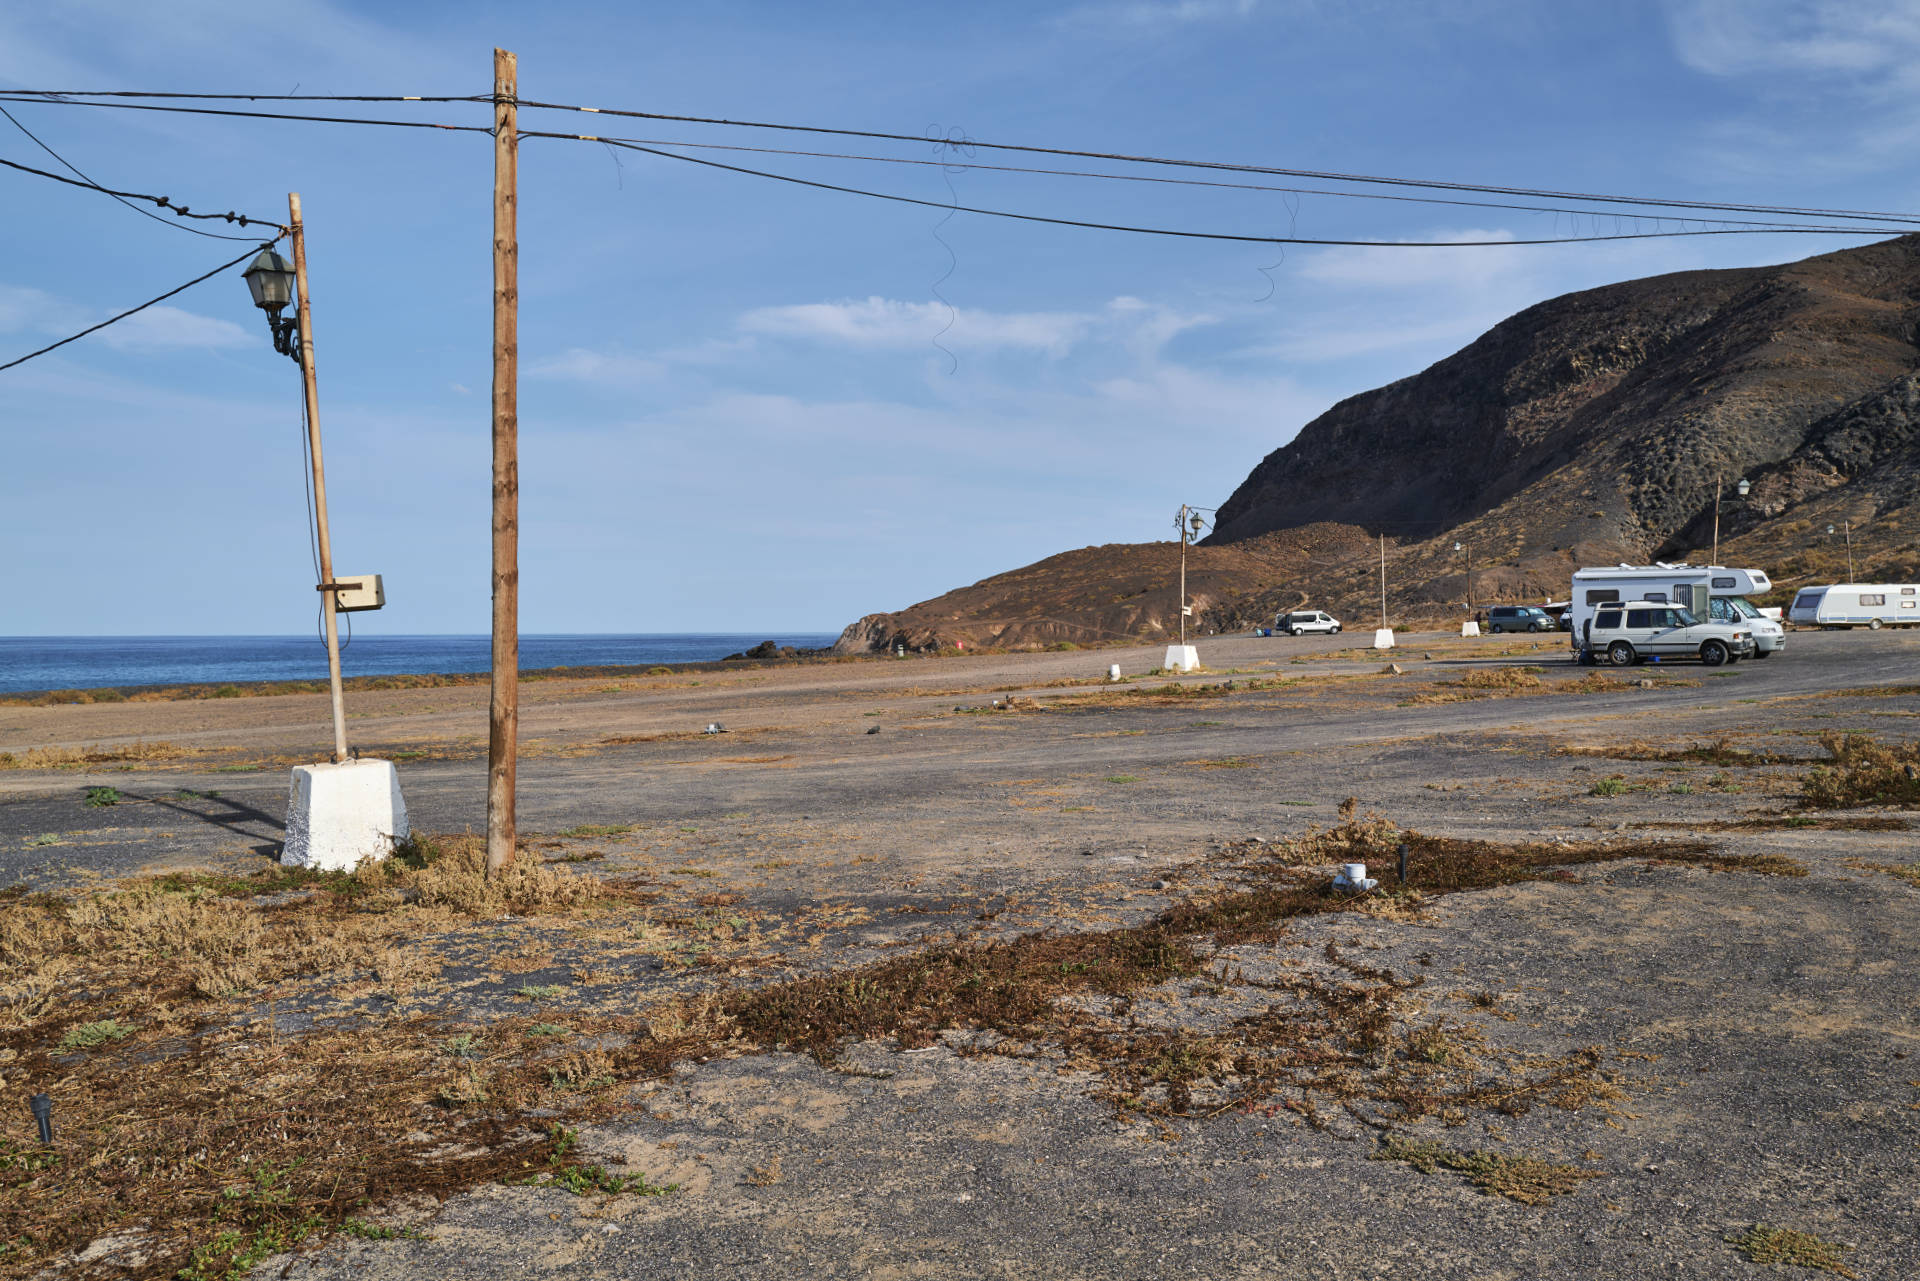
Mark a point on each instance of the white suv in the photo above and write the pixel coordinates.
(1637, 630)
(1300, 622)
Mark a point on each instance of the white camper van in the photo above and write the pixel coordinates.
(1710, 591)
(1874, 605)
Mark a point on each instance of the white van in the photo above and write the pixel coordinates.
(1874, 605)
(1710, 591)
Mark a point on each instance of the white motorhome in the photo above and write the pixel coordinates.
(1874, 605)
(1710, 591)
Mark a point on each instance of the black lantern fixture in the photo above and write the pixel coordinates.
(270, 280)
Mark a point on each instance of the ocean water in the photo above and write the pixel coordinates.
(30, 663)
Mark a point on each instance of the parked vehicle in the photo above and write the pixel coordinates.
(1696, 587)
(1769, 635)
(1874, 605)
(1302, 622)
(1519, 618)
(1561, 612)
(1633, 631)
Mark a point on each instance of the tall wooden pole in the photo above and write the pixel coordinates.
(503, 712)
(328, 600)
(1719, 483)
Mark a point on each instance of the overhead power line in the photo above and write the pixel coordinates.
(255, 97)
(971, 165)
(91, 329)
(126, 197)
(1207, 235)
(179, 211)
(16, 96)
(1729, 226)
(72, 97)
(1313, 174)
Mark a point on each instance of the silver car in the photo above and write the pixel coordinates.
(1634, 631)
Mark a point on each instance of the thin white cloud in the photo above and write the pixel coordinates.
(891, 323)
(1834, 83)
(1389, 268)
(27, 310)
(1852, 39)
(164, 327)
(1138, 14)
(24, 310)
(578, 364)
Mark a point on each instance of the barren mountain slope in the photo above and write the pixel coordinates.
(1591, 428)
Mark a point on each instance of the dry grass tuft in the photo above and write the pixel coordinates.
(1768, 1245)
(1526, 1179)
(78, 758)
(1860, 771)
(1721, 751)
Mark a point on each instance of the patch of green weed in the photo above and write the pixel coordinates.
(1768, 1245)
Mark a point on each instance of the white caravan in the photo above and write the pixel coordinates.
(1874, 605)
(1710, 591)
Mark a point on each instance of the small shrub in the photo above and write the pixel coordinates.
(1525, 1179)
(1614, 786)
(1498, 678)
(540, 991)
(1767, 1245)
(88, 1036)
(101, 797)
(1860, 771)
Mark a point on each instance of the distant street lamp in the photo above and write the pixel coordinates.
(1190, 523)
(1468, 549)
(1849, 525)
(1741, 488)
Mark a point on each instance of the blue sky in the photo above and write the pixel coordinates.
(738, 406)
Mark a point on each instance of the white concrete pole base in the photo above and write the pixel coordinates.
(1470, 628)
(1181, 658)
(339, 815)
(1383, 638)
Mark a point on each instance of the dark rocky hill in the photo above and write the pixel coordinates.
(1591, 428)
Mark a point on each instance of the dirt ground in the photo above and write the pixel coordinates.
(1757, 1035)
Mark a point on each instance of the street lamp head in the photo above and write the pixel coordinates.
(1457, 547)
(1829, 529)
(270, 280)
(1742, 488)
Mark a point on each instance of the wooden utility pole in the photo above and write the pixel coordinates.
(1719, 484)
(328, 601)
(503, 711)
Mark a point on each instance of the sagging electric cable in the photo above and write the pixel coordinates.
(1230, 237)
(111, 320)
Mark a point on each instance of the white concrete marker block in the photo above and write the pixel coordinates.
(1181, 658)
(338, 815)
(1383, 638)
(1113, 671)
(1470, 628)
